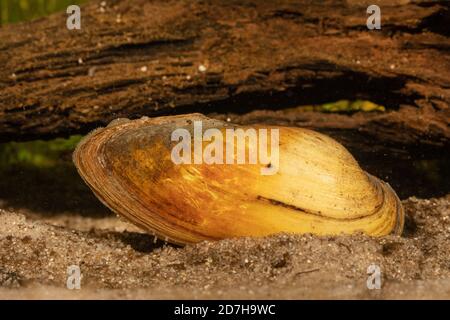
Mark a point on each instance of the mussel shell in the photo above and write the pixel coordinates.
(319, 187)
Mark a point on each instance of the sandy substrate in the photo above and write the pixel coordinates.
(119, 261)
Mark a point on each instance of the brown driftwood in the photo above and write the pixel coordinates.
(135, 58)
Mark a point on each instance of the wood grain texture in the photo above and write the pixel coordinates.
(258, 55)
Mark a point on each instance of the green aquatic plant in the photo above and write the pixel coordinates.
(41, 154)
(346, 106)
(12, 11)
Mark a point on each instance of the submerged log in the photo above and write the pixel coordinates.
(232, 57)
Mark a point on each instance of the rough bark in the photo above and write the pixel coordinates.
(134, 58)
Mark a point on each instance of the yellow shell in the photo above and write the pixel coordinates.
(319, 188)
